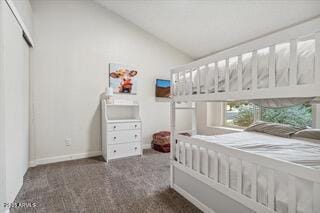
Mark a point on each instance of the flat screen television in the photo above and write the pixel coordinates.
(163, 88)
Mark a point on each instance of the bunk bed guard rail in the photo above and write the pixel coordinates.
(201, 154)
(284, 64)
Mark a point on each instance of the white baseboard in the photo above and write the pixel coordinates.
(63, 158)
(146, 146)
(193, 200)
(32, 163)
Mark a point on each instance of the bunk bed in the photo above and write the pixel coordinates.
(228, 173)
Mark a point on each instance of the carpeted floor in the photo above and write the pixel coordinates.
(137, 184)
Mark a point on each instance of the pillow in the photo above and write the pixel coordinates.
(308, 133)
(281, 130)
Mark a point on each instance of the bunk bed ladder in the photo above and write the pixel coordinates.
(193, 108)
(174, 146)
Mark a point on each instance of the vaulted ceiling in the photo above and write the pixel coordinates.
(200, 28)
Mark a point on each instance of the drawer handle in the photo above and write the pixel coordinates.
(114, 127)
(135, 148)
(114, 138)
(114, 151)
(135, 136)
(136, 126)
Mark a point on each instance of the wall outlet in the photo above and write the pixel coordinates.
(67, 141)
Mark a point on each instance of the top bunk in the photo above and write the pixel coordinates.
(284, 64)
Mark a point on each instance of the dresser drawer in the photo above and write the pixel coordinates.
(124, 150)
(123, 126)
(123, 136)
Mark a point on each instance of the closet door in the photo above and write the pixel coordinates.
(15, 64)
(2, 113)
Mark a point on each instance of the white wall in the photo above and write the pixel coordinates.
(316, 116)
(75, 42)
(211, 118)
(14, 100)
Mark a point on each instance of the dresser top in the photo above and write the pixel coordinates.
(123, 120)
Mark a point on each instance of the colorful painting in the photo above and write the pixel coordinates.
(163, 88)
(123, 79)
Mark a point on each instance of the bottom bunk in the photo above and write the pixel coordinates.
(207, 199)
(251, 171)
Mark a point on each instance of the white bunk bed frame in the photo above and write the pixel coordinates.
(179, 142)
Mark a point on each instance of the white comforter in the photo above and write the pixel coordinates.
(293, 150)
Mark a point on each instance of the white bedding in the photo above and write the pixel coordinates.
(293, 150)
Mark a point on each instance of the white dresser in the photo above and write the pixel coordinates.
(121, 130)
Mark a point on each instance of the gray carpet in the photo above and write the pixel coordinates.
(137, 184)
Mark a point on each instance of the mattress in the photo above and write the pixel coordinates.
(293, 150)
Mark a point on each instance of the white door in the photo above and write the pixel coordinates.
(2, 147)
(14, 54)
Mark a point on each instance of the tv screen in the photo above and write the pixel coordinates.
(163, 88)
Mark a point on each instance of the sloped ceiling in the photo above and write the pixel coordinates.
(200, 28)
